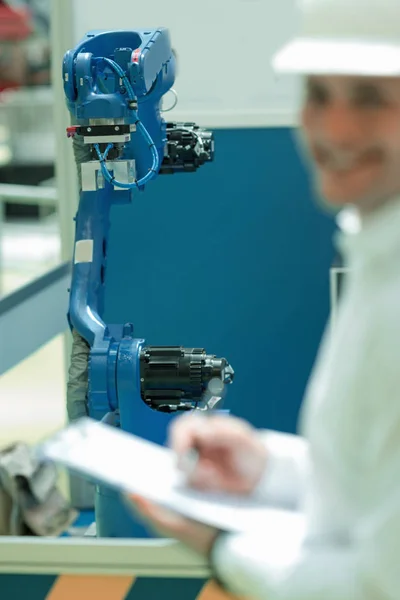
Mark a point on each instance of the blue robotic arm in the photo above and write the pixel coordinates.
(114, 82)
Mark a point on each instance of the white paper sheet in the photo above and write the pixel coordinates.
(133, 465)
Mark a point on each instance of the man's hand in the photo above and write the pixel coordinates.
(231, 455)
(168, 524)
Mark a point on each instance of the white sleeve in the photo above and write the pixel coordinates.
(284, 478)
(287, 566)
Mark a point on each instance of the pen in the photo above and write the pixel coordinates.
(213, 395)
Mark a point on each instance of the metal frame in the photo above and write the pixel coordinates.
(66, 179)
(143, 558)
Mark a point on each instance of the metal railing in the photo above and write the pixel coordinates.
(144, 558)
(43, 196)
(28, 194)
(33, 315)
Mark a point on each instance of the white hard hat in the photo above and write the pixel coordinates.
(345, 37)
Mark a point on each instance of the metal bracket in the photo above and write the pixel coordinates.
(93, 180)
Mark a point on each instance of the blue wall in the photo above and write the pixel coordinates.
(234, 258)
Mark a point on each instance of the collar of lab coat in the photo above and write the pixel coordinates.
(363, 240)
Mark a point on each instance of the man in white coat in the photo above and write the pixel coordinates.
(343, 472)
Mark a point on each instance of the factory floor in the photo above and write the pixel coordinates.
(32, 394)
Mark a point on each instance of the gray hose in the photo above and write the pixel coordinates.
(78, 376)
(81, 153)
(77, 385)
(82, 492)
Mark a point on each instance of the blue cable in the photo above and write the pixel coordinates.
(142, 129)
(108, 177)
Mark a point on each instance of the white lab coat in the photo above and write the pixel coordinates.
(344, 472)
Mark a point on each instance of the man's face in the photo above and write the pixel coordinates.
(351, 126)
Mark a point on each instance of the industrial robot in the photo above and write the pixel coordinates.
(114, 83)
